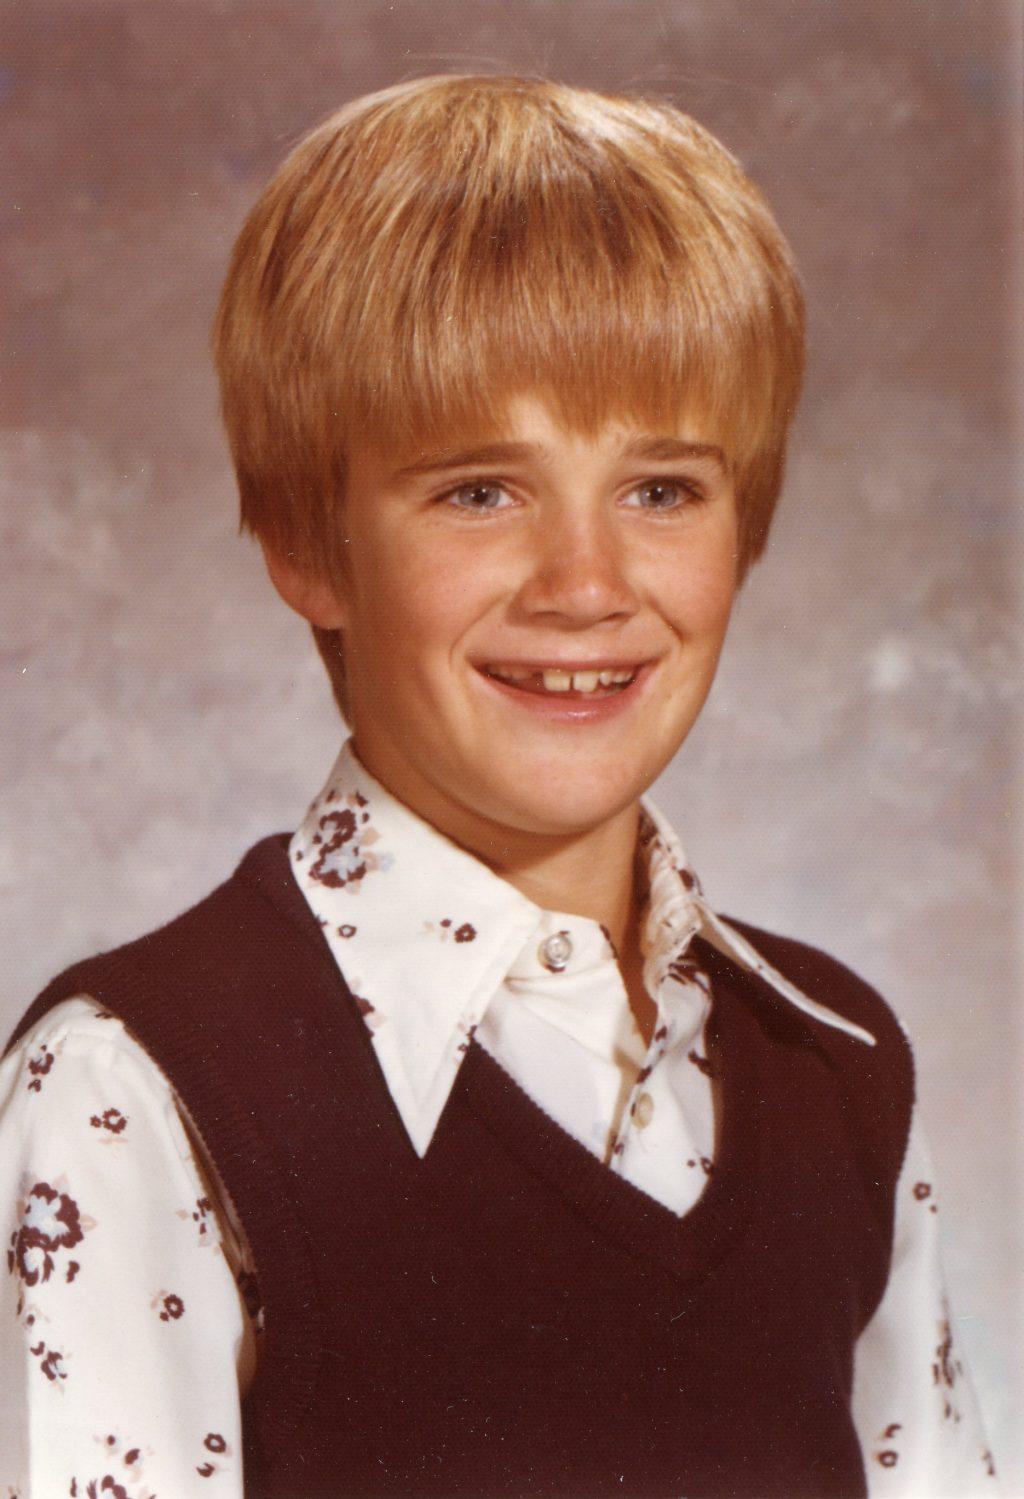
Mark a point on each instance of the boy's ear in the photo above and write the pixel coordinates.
(304, 591)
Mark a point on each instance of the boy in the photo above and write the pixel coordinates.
(456, 1145)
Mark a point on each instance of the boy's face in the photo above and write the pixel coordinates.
(532, 549)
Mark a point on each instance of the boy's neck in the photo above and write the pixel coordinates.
(590, 874)
(594, 873)
(598, 874)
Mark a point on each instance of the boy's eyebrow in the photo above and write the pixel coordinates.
(492, 452)
(669, 449)
(651, 449)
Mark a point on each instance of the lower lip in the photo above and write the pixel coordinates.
(571, 710)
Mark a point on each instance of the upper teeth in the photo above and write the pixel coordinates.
(556, 680)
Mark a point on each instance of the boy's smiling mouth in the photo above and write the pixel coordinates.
(567, 679)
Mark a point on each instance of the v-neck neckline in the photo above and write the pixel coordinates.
(686, 1245)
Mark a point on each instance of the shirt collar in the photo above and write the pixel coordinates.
(425, 934)
(671, 913)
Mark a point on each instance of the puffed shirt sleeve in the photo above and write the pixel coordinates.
(913, 1402)
(123, 1331)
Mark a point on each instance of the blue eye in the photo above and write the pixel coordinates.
(476, 497)
(666, 494)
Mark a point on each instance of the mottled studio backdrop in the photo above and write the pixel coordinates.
(853, 778)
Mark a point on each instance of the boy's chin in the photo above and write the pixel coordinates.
(563, 807)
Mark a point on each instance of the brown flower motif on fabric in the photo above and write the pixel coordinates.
(446, 928)
(106, 1487)
(39, 1065)
(215, 1443)
(50, 1222)
(946, 1370)
(887, 1456)
(172, 1307)
(339, 861)
(367, 1009)
(111, 1119)
(50, 1361)
(202, 1216)
(344, 842)
(109, 1486)
(922, 1192)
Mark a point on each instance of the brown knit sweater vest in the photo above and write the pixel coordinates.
(506, 1316)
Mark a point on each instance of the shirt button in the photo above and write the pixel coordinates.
(643, 1111)
(554, 952)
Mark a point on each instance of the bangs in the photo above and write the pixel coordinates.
(438, 249)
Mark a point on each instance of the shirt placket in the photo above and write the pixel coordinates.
(663, 1145)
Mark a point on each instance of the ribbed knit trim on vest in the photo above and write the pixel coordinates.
(506, 1316)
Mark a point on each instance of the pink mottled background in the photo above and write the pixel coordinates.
(855, 778)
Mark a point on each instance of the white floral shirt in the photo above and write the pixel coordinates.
(129, 1328)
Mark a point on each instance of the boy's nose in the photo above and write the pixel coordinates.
(578, 571)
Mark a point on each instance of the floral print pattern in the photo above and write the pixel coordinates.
(887, 1456)
(171, 1306)
(947, 1370)
(923, 1192)
(39, 1065)
(75, 1220)
(215, 1446)
(49, 1222)
(51, 1361)
(343, 844)
(126, 1481)
(445, 928)
(201, 1214)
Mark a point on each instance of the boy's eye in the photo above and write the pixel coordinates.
(666, 494)
(478, 495)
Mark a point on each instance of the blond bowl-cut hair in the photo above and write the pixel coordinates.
(438, 247)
